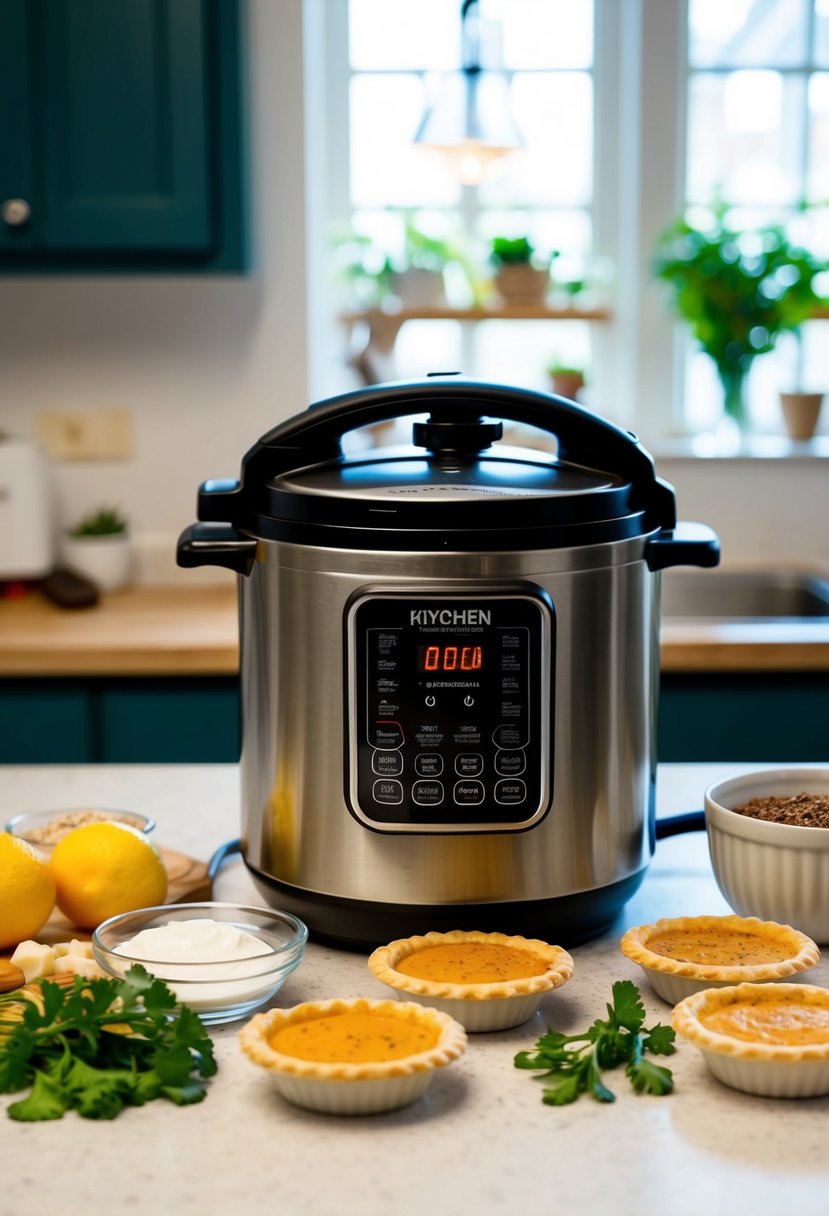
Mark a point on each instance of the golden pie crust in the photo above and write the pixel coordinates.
(687, 1020)
(255, 1035)
(384, 962)
(800, 951)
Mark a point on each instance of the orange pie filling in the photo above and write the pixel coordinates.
(779, 1023)
(354, 1038)
(718, 946)
(472, 963)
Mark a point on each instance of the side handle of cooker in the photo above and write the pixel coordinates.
(688, 544)
(216, 545)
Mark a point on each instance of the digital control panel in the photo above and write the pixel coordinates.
(449, 710)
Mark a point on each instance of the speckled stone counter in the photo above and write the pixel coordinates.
(479, 1142)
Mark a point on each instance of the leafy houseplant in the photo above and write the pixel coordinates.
(521, 276)
(738, 291)
(98, 546)
(567, 381)
(105, 521)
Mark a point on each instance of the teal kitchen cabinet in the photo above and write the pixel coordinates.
(763, 717)
(92, 720)
(121, 135)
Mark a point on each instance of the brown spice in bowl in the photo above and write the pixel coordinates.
(53, 831)
(799, 810)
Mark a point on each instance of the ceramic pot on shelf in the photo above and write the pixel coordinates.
(521, 283)
(800, 413)
(105, 560)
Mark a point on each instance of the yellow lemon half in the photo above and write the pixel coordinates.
(103, 869)
(27, 890)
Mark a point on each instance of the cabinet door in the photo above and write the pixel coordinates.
(124, 108)
(16, 124)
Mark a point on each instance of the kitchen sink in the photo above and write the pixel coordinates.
(745, 595)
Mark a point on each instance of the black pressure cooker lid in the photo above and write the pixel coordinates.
(456, 486)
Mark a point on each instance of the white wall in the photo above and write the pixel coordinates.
(209, 364)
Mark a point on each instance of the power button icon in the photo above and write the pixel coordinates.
(468, 700)
(430, 700)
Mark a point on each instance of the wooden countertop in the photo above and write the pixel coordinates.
(193, 630)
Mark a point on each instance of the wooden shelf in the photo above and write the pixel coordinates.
(495, 312)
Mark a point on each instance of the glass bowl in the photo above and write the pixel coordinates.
(777, 871)
(44, 829)
(220, 975)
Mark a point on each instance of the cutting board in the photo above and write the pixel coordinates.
(188, 880)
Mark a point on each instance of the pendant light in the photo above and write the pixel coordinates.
(470, 123)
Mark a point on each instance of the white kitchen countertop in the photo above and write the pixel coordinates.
(480, 1142)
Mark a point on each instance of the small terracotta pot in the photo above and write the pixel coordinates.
(519, 283)
(800, 413)
(567, 384)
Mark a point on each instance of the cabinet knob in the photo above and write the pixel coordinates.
(15, 211)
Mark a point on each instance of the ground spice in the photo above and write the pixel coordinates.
(800, 810)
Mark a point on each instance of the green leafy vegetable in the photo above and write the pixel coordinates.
(101, 1045)
(573, 1064)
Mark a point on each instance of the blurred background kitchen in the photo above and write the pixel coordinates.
(217, 211)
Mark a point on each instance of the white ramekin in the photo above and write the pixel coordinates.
(772, 870)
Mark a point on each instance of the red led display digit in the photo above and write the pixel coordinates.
(450, 658)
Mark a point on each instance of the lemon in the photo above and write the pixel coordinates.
(103, 869)
(27, 890)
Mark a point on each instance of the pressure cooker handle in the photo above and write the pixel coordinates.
(315, 436)
(216, 545)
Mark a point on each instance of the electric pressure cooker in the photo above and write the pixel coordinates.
(449, 661)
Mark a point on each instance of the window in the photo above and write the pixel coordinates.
(599, 90)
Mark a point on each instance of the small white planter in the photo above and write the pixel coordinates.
(104, 560)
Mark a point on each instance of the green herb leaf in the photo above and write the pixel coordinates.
(101, 1045)
(574, 1064)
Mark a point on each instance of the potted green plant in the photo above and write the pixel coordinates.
(738, 291)
(522, 276)
(98, 546)
(566, 380)
(362, 267)
(417, 280)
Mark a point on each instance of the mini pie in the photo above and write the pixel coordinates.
(770, 1039)
(352, 1056)
(690, 953)
(488, 981)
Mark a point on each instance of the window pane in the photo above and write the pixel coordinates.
(822, 33)
(817, 189)
(388, 34)
(519, 352)
(744, 138)
(544, 33)
(747, 33)
(555, 116)
(386, 168)
(427, 346)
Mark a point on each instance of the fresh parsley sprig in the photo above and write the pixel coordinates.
(101, 1045)
(573, 1064)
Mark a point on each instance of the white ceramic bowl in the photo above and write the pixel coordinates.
(772, 870)
(43, 829)
(219, 991)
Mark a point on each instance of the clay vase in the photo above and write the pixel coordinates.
(800, 413)
(522, 284)
(567, 384)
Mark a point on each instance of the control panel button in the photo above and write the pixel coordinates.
(387, 734)
(387, 764)
(510, 764)
(468, 793)
(469, 764)
(429, 764)
(510, 792)
(508, 735)
(427, 793)
(387, 792)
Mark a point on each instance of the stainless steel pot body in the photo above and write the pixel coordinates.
(599, 711)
